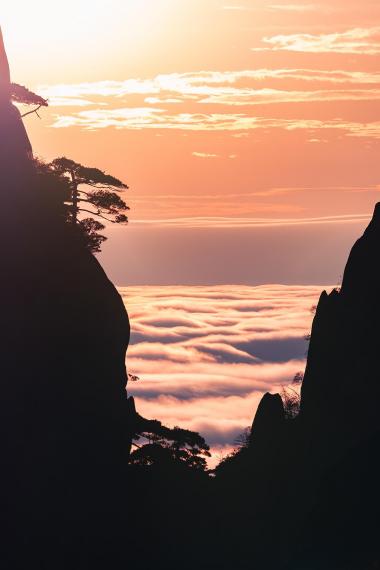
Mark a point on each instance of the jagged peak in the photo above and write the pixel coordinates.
(362, 273)
(269, 415)
(375, 221)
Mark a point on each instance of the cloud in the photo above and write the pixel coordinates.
(236, 222)
(215, 100)
(261, 208)
(100, 88)
(294, 7)
(246, 97)
(162, 100)
(206, 355)
(204, 155)
(220, 419)
(361, 41)
(151, 118)
(180, 87)
(70, 102)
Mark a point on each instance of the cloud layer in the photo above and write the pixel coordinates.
(206, 355)
(148, 118)
(207, 86)
(240, 100)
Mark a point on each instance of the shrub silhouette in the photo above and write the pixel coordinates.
(292, 402)
(166, 446)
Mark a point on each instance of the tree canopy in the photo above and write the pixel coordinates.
(82, 189)
(22, 95)
(93, 192)
(169, 446)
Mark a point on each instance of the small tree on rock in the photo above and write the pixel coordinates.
(23, 96)
(94, 192)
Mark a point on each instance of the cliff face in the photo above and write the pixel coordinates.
(343, 364)
(341, 387)
(309, 485)
(64, 334)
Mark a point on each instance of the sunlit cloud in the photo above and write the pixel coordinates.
(205, 355)
(204, 155)
(362, 41)
(203, 100)
(241, 97)
(100, 88)
(152, 118)
(158, 100)
(70, 102)
(198, 85)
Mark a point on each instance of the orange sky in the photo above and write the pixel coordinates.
(249, 133)
(211, 108)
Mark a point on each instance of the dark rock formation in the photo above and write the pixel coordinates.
(17, 149)
(269, 418)
(318, 473)
(5, 76)
(64, 429)
(343, 355)
(339, 422)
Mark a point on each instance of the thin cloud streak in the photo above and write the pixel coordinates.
(204, 155)
(253, 209)
(361, 41)
(274, 96)
(200, 84)
(294, 7)
(151, 118)
(225, 222)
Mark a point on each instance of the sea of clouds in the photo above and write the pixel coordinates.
(206, 355)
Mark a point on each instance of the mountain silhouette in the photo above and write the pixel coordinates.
(302, 492)
(64, 411)
(307, 488)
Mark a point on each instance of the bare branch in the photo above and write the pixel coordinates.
(33, 111)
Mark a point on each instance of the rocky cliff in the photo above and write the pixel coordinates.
(343, 366)
(307, 488)
(64, 430)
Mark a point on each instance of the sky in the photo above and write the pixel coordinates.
(248, 132)
(232, 122)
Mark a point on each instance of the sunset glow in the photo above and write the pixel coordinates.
(209, 354)
(249, 133)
